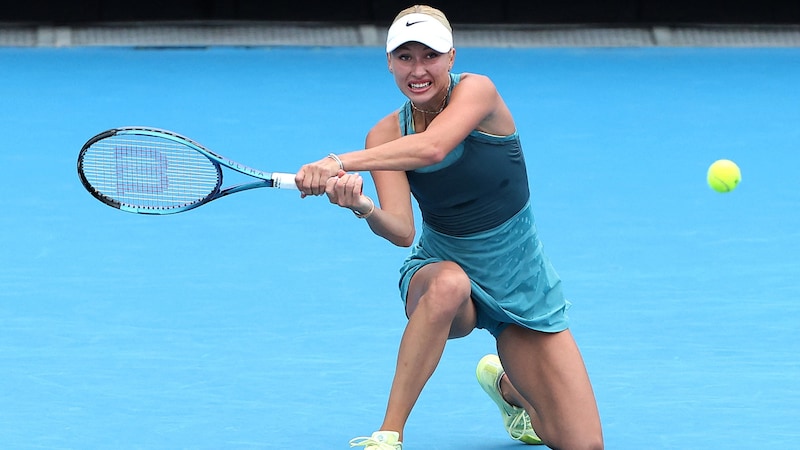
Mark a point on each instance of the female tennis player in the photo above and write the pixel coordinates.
(478, 262)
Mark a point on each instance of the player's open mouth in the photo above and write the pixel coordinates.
(419, 85)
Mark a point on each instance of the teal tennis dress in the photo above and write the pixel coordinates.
(476, 212)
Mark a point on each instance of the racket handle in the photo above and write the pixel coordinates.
(283, 180)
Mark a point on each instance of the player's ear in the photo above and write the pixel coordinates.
(452, 53)
(389, 61)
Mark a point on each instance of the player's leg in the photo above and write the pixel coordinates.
(439, 307)
(547, 376)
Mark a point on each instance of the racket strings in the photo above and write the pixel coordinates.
(149, 172)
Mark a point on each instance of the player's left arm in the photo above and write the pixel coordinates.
(473, 104)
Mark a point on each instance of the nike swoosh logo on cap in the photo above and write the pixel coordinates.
(408, 24)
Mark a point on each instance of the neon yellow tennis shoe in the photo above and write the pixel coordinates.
(380, 440)
(516, 419)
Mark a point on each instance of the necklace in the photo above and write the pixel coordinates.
(441, 107)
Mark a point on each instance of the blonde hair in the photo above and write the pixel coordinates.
(428, 11)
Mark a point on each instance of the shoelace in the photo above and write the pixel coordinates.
(365, 441)
(515, 423)
(521, 415)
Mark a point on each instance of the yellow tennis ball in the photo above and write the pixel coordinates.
(724, 175)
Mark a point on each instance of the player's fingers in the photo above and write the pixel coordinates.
(319, 183)
(354, 187)
(330, 184)
(312, 179)
(345, 186)
(358, 187)
(303, 180)
(336, 189)
(299, 177)
(331, 190)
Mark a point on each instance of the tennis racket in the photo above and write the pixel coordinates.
(151, 171)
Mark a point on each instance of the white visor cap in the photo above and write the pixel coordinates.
(420, 28)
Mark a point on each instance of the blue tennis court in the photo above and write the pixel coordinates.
(263, 321)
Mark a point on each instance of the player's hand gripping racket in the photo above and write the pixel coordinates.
(151, 171)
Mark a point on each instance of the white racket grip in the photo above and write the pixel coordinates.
(283, 180)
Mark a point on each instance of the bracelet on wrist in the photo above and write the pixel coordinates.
(361, 215)
(336, 158)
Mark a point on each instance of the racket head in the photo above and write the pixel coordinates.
(148, 171)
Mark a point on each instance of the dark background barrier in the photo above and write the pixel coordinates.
(612, 12)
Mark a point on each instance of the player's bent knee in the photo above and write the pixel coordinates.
(447, 292)
(451, 291)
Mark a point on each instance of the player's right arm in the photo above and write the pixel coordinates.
(390, 216)
(394, 220)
